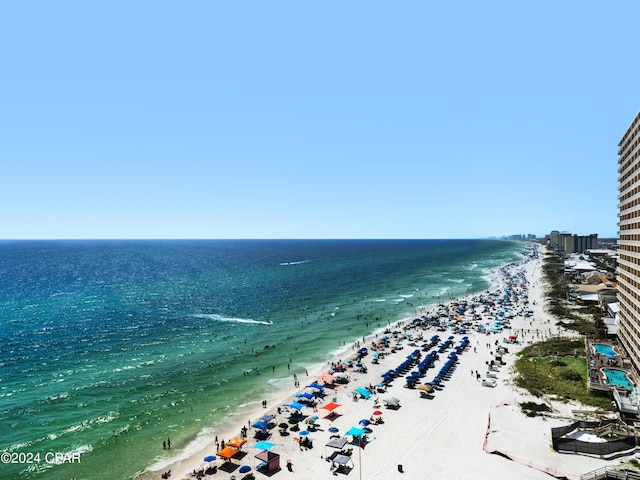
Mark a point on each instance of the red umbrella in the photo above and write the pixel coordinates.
(377, 412)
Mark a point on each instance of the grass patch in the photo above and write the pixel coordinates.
(558, 368)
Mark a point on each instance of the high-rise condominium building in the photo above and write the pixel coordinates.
(629, 242)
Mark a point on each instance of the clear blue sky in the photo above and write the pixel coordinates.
(356, 119)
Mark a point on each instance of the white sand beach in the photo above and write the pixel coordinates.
(454, 434)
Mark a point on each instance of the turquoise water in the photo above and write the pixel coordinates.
(110, 347)
(603, 349)
(618, 377)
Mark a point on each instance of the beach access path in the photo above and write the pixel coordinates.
(465, 431)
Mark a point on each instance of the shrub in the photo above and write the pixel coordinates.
(571, 375)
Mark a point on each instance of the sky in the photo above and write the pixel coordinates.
(358, 119)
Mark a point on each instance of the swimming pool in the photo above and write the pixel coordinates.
(618, 377)
(603, 349)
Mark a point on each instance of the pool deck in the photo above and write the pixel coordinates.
(596, 362)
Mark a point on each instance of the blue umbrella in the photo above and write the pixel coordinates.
(333, 429)
(209, 458)
(304, 432)
(244, 469)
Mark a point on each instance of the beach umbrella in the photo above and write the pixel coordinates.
(310, 421)
(364, 422)
(209, 458)
(304, 432)
(333, 429)
(283, 426)
(377, 412)
(244, 469)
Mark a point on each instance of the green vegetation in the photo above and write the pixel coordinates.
(586, 320)
(557, 368)
(531, 409)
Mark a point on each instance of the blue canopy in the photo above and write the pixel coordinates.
(356, 432)
(209, 458)
(296, 405)
(315, 385)
(364, 392)
(260, 425)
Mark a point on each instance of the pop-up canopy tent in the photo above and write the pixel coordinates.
(269, 461)
(228, 453)
(392, 402)
(236, 442)
(340, 462)
(337, 443)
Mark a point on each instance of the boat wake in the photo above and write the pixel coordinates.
(295, 263)
(221, 318)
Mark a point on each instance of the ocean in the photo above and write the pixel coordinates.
(108, 348)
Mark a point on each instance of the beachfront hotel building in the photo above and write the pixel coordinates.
(629, 242)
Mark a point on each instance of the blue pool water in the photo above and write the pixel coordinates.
(618, 377)
(603, 349)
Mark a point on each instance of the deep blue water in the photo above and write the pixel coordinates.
(108, 347)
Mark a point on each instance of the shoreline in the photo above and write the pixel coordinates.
(493, 402)
(280, 395)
